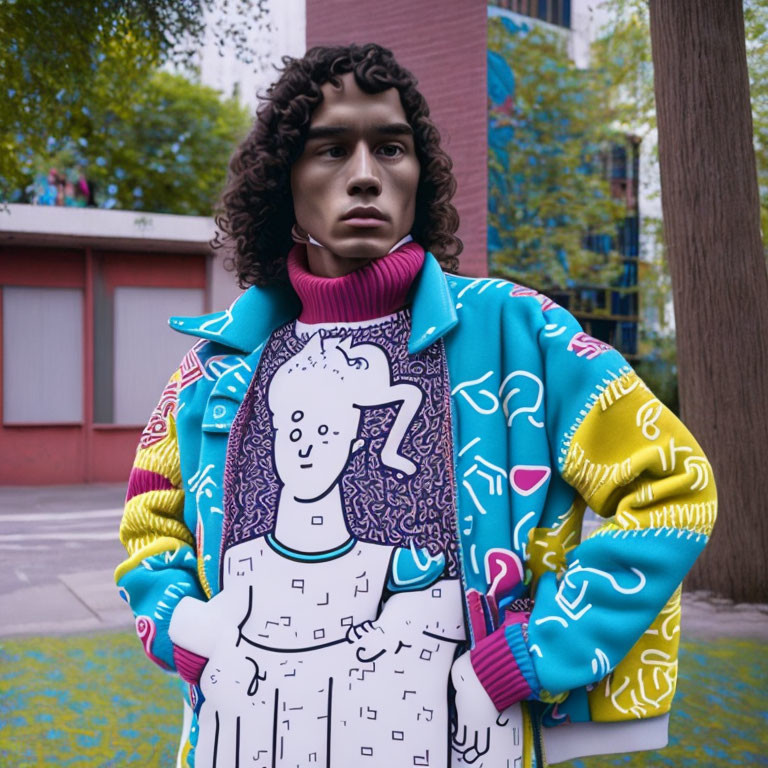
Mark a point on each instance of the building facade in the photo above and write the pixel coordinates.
(85, 348)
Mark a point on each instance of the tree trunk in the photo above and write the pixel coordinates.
(711, 213)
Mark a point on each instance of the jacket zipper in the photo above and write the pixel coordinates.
(538, 741)
(452, 470)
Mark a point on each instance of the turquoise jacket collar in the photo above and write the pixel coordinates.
(254, 315)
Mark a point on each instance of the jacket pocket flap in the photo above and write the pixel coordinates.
(219, 413)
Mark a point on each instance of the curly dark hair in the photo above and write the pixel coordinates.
(256, 211)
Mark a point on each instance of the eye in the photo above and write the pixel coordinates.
(323, 429)
(297, 416)
(391, 150)
(334, 152)
(295, 435)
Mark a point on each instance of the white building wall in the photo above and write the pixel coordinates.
(587, 18)
(281, 32)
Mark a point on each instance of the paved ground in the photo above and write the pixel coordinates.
(59, 549)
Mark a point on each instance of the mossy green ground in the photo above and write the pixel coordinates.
(90, 701)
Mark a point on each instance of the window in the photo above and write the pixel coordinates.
(42, 355)
(146, 351)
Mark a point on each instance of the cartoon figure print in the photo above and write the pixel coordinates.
(305, 667)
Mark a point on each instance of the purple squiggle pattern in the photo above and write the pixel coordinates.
(380, 505)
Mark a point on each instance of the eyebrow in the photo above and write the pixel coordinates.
(331, 131)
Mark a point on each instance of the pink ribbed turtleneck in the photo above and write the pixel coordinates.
(377, 289)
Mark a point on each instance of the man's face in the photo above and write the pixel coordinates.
(359, 154)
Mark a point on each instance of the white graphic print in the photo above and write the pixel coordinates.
(304, 666)
(654, 679)
(526, 389)
(218, 365)
(572, 598)
(551, 330)
(698, 466)
(647, 416)
(516, 389)
(483, 737)
(202, 484)
(493, 479)
(491, 401)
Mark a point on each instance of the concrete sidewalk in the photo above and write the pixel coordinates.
(60, 547)
(80, 602)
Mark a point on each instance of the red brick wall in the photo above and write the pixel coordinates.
(444, 43)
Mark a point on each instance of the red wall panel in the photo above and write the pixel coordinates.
(41, 267)
(163, 270)
(42, 455)
(55, 455)
(112, 453)
(444, 44)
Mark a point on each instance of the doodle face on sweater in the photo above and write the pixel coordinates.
(315, 399)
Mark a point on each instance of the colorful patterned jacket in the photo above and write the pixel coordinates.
(546, 421)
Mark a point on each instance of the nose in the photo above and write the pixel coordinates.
(303, 455)
(364, 175)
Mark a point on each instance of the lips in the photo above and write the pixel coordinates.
(361, 213)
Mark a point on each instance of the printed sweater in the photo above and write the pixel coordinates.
(545, 420)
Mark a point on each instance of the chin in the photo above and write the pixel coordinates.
(361, 249)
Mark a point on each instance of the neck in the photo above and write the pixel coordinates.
(311, 526)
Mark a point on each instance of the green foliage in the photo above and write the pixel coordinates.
(63, 62)
(621, 55)
(547, 143)
(164, 150)
(756, 26)
(658, 366)
(89, 701)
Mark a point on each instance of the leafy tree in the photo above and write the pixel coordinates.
(756, 27)
(547, 143)
(165, 149)
(53, 53)
(621, 54)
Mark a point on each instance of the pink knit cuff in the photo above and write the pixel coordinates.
(506, 674)
(189, 665)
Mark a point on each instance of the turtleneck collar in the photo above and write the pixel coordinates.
(377, 289)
